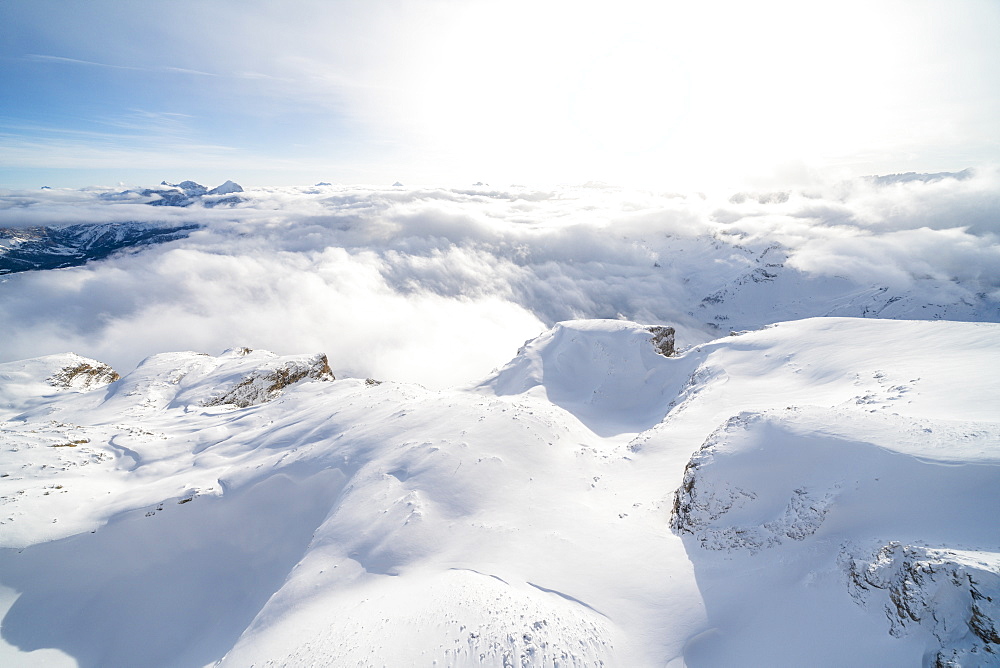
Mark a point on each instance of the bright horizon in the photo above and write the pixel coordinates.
(641, 94)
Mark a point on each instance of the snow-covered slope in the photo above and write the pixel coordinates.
(36, 248)
(28, 382)
(820, 492)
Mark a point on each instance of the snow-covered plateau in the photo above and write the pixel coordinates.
(822, 492)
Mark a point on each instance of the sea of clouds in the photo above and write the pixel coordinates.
(440, 285)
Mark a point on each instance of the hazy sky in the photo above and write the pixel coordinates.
(671, 94)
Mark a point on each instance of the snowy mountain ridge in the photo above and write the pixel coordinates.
(39, 248)
(182, 194)
(594, 502)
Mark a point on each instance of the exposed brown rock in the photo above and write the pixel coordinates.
(84, 376)
(663, 339)
(264, 385)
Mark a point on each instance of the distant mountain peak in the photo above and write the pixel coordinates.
(907, 177)
(184, 193)
(226, 188)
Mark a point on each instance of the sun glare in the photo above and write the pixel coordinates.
(650, 92)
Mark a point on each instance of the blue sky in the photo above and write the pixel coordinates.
(651, 93)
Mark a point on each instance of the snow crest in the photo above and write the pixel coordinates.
(707, 506)
(613, 375)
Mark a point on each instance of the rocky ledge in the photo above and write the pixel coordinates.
(266, 383)
(952, 594)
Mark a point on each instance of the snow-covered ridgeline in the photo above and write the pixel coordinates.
(594, 501)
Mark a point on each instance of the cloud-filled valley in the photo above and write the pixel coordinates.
(673, 343)
(265, 481)
(386, 280)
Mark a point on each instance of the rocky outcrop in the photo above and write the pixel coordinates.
(789, 482)
(266, 384)
(952, 594)
(663, 339)
(87, 374)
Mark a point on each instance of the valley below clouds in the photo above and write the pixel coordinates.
(438, 286)
(619, 335)
(575, 426)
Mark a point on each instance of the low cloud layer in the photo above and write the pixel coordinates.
(440, 286)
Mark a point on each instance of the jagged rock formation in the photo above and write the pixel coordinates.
(695, 503)
(37, 248)
(663, 339)
(85, 375)
(265, 384)
(953, 594)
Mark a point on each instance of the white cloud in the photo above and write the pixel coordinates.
(439, 286)
(657, 93)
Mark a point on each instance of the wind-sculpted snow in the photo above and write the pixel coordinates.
(29, 381)
(380, 276)
(612, 375)
(764, 480)
(474, 620)
(524, 519)
(798, 490)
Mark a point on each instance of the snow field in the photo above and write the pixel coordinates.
(521, 520)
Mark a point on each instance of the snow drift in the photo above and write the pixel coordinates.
(594, 502)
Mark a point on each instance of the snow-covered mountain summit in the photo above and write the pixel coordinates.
(227, 188)
(181, 194)
(595, 502)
